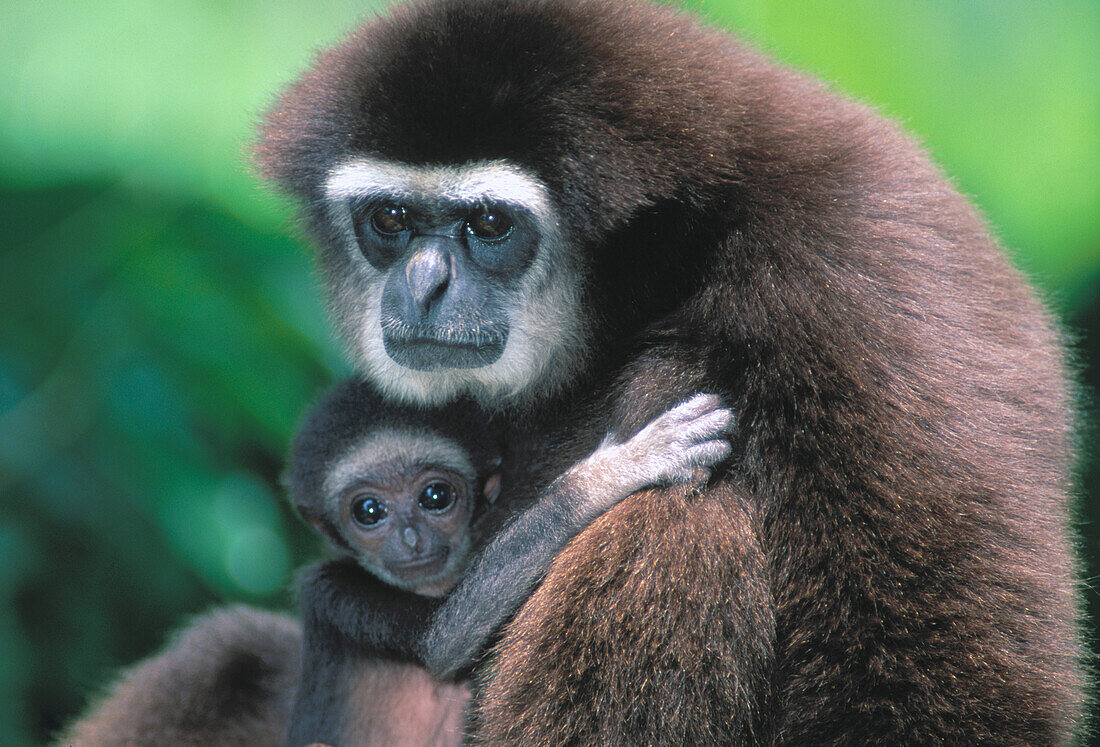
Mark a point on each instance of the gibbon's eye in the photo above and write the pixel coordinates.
(436, 496)
(390, 219)
(368, 511)
(489, 224)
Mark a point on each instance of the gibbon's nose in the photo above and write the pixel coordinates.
(428, 275)
(410, 537)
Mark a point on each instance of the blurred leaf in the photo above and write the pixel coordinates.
(149, 386)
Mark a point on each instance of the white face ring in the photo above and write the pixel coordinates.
(548, 334)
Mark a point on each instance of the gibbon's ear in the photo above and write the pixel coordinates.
(492, 487)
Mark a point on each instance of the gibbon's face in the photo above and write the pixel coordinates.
(413, 530)
(454, 280)
(403, 502)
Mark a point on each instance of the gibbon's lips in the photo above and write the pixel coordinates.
(435, 350)
(421, 567)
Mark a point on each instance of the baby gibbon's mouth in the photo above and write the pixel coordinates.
(426, 566)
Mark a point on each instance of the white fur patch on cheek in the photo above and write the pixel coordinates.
(355, 306)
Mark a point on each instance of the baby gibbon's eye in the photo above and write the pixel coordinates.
(437, 496)
(367, 511)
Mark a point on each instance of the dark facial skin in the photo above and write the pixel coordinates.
(411, 528)
(449, 268)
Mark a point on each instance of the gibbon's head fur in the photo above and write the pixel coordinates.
(574, 118)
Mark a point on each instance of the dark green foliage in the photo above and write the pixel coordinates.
(154, 362)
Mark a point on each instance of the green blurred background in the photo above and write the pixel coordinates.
(161, 329)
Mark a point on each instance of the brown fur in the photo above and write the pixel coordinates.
(397, 704)
(651, 554)
(227, 679)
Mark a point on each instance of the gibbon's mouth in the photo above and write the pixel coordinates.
(434, 350)
(427, 566)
